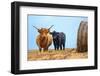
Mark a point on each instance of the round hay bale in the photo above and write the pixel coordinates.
(82, 37)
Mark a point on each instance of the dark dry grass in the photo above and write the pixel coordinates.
(56, 55)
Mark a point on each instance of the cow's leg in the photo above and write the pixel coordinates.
(40, 49)
(45, 49)
(64, 46)
(60, 47)
(60, 44)
(55, 45)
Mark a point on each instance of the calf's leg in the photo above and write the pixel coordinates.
(55, 45)
(60, 47)
(64, 46)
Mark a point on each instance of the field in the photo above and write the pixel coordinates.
(69, 53)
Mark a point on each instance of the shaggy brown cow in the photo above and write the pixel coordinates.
(44, 39)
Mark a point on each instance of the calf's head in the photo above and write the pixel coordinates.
(54, 34)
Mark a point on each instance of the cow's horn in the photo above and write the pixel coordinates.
(36, 27)
(51, 27)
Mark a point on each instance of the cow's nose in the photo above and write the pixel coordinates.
(43, 37)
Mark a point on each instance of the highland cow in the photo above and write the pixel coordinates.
(44, 39)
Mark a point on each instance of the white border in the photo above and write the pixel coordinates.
(26, 65)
